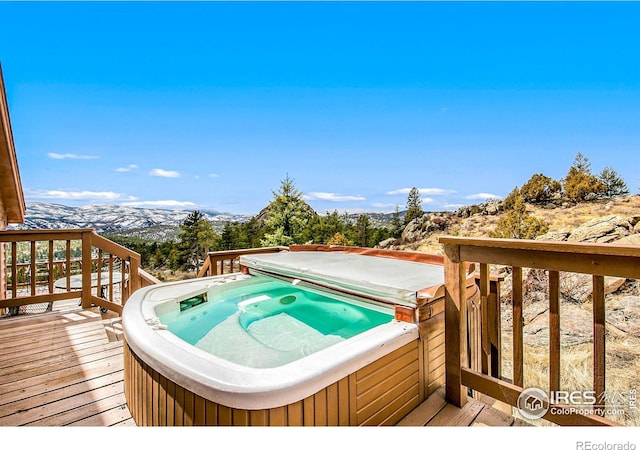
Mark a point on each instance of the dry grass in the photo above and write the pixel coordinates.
(576, 370)
(622, 350)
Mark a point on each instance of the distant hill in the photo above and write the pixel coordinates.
(105, 218)
(145, 223)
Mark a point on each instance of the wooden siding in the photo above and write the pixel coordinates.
(379, 394)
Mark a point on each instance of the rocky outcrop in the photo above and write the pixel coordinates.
(554, 236)
(421, 227)
(601, 229)
(490, 208)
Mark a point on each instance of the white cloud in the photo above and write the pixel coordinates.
(481, 196)
(385, 205)
(70, 156)
(331, 197)
(78, 195)
(161, 203)
(164, 173)
(423, 191)
(453, 206)
(427, 200)
(129, 168)
(214, 175)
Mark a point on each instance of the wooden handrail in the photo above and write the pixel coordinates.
(210, 266)
(598, 260)
(111, 258)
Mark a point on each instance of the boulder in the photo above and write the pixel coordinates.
(634, 220)
(624, 314)
(632, 239)
(575, 327)
(578, 287)
(601, 229)
(554, 236)
(387, 243)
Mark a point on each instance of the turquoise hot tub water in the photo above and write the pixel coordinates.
(265, 322)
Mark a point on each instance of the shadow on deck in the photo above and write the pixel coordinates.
(62, 368)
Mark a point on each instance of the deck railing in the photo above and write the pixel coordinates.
(597, 260)
(43, 266)
(226, 261)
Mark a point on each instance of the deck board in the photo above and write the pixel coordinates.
(66, 368)
(62, 368)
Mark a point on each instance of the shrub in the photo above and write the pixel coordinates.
(518, 223)
(540, 188)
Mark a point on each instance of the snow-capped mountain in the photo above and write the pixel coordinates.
(110, 217)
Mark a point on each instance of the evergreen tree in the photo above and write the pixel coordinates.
(363, 226)
(613, 183)
(518, 223)
(288, 215)
(228, 238)
(396, 224)
(580, 184)
(414, 205)
(195, 240)
(510, 199)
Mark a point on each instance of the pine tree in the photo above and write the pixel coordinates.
(288, 215)
(613, 183)
(195, 239)
(414, 205)
(363, 226)
(580, 184)
(396, 224)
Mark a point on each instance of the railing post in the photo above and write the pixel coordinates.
(455, 325)
(86, 269)
(134, 276)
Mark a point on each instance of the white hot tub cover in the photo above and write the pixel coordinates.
(392, 280)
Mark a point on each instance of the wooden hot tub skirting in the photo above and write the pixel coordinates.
(381, 393)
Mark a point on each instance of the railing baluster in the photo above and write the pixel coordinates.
(484, 308)
(554, 330)
(51, 267)
(99, 270)
(495, 332)
(518, 342)
(68, 263)
(599, 340)
(14, 269)
(110, 277)
(34, 269)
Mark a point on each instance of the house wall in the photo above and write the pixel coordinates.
(3, 265)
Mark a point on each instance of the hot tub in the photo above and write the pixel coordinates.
(300, 338)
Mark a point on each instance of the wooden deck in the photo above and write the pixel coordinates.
(436, 412)
(62, 368)
(66, 368)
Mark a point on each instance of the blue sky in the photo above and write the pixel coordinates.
(209, 105)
